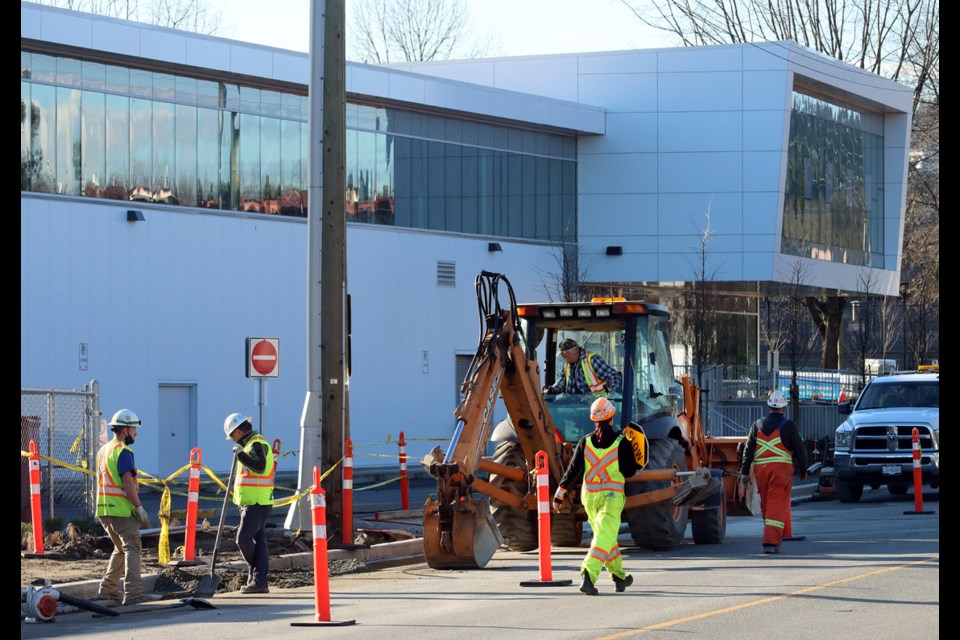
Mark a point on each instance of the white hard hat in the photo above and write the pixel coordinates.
(233, 421)
(777, 400)
(124, 418)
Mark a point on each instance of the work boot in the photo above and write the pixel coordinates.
(771, 548)
(255, 588)
(622, 583)
(586, 585)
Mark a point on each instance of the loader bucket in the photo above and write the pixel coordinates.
(466, 539)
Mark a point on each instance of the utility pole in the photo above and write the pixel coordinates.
(323, 423)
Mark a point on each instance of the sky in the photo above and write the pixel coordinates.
(520, 27)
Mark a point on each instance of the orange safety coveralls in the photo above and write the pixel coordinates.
(773, 468)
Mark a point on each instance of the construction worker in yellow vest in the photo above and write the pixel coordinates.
(253, 493)
(120, 511)
(603, 460)
(585, 372)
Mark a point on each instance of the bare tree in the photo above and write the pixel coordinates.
(385, 31)
(701, 315)
(897, 39)
(189, 15)
(860, 338)
(798, 338)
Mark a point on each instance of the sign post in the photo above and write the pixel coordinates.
(263, 361)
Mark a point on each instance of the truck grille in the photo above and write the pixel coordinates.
(891, 438)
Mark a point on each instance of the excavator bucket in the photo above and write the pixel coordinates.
(464, 536)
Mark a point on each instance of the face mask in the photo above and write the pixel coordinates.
(128, 440)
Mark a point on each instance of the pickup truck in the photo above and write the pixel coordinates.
(874, 445)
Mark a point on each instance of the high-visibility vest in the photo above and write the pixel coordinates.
(602, 467)
(770, 448)
(112, 500)
(250, 488)
(589, 375)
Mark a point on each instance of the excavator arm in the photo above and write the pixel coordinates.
(459, 531)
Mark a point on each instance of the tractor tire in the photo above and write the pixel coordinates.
(565, 530)
(709, 526)
(659, 526)
(518, 527)
(848, 491)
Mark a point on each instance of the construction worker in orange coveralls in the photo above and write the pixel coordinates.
(776, 450)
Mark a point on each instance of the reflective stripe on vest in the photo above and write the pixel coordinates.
(589, 375)
(602, 468)
(112, 499)
(771, 449)
(249, 487)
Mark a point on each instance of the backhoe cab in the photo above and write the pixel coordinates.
(462, 530)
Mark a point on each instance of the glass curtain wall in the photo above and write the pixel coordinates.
(109, 131)
(833, 205)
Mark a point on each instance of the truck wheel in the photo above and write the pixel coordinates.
(658, 526)
(517, 526)
(897, 489)
(848, 491)
(709, 526)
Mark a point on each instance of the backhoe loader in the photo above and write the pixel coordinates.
(485, 502)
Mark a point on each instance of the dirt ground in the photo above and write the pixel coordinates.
(71, 556)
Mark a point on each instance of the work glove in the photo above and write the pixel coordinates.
(557, 504)
(144, 518)
(237, 449)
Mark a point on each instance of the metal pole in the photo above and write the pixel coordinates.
(50, 452)
(262, 389)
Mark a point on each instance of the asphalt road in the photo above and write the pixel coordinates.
(865, 571)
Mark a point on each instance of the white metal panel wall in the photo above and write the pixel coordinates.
(171, 300)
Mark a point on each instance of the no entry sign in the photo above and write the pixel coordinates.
(263, 357)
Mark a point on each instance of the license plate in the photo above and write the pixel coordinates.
(891, 470)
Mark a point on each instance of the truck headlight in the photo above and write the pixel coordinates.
(843, 437)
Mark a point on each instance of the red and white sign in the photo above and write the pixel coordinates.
(263, 357)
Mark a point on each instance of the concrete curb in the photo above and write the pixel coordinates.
(387, 554)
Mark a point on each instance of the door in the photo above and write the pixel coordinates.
(178, 425)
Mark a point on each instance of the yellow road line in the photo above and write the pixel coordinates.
(710, 614)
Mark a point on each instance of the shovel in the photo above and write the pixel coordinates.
(208, 585)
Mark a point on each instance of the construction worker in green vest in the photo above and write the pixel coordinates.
(253, 493)
(603, 460)
(120, 511)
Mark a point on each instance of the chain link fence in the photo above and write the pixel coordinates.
(65, 425)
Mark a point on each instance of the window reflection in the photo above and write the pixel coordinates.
(116, 132)
(833, 205)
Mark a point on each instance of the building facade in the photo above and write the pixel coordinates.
(163, 203)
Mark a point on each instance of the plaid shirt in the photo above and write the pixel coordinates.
(578, 383)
